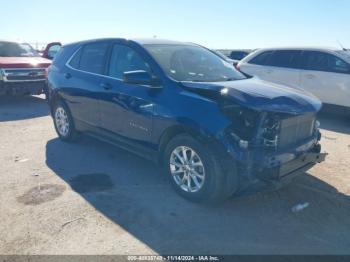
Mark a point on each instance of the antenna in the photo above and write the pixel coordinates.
(342, 47)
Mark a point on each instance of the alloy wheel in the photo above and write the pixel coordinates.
(62, 121)
(187, 169)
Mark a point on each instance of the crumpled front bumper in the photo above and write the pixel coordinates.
(268, 173)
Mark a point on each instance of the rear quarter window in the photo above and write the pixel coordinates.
(75, 61)
(64, 54)
(321, 61)
(93, 57)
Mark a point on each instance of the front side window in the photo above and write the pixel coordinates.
(320, 61)
(93, 57)
(192, 63)
(285, 58)
(9, 49)
(125, 59)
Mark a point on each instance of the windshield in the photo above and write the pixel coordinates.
(345, 55)
(193, 63)
(8, 49)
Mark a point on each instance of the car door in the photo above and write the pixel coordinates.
(83, 82)
(327, 77)
(279, 66)
(256, 66)
(126, 109)
(284, 68)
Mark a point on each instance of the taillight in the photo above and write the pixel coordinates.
(237, 67)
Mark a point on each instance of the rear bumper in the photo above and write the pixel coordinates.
(22, 88)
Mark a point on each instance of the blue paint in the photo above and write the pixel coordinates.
(141, 116)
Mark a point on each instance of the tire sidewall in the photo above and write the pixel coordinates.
(207, 160)
(71, 130)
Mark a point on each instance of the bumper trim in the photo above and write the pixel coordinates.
(305, 161)
(277, 178)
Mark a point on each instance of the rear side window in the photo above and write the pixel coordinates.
(125, 59)
(320, 61)
(262, 59)
(93, 57)
(285, 58)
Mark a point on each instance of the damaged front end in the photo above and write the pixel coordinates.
(273, 133)
(271, 148)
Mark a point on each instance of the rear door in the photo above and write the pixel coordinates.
(284, 68)
(83, 82)
(327, 77)
(126, 109)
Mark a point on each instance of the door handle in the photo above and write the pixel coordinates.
(67, 75)
(269, 71)
(106, 86)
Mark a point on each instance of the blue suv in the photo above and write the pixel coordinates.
(214, 131)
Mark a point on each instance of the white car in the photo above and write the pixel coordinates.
(323, 72)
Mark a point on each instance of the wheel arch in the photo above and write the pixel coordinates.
(175, 130)
(54, 98)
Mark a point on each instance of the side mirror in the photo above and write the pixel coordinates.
(51, 50)
(141, 77)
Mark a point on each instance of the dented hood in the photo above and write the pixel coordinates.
(260, 95)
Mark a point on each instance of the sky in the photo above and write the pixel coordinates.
(215, 24)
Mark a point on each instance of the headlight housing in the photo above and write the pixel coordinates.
(270, 133)
(244, 121)
(2, 74)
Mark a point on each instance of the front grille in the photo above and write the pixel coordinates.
(22, 87)
(295, 130)
(24, 74)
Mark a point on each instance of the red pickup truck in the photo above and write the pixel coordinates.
(23, 69)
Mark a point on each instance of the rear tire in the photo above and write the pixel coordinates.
(63, 122)
(187, 159)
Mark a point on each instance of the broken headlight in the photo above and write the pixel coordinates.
(244, 121)
(270, 132)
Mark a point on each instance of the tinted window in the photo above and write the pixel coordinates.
(285, 58)
(262, 59)
(75, 61)
(125, 59)
(320, 61)
(93, 57)
(238, 55)
(192, 63)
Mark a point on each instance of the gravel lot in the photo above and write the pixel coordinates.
(93, 198)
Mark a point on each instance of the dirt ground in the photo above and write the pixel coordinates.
(93, 198)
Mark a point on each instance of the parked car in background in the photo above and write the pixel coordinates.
(222, 56)
(213, 130)
(235, 55)
(22, 69)
(51, 50)
(320, 71)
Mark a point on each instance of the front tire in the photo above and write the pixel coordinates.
(196, 172)
(63, 122)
